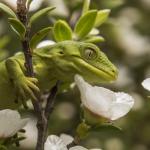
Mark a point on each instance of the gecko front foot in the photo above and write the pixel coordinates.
(26, 87)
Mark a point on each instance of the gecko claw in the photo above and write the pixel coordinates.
(26, 88)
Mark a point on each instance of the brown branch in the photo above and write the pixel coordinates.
(42, 115)
(50, 100)
(23, 17)
(22, 13)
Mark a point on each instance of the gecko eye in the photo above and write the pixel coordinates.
(90, 54)
(61, 52)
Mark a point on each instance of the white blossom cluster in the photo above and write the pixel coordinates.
(54, 142)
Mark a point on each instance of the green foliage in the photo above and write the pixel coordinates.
(94, 39)
(39, 14)
(37, 37)
(18, 27)
(62, 31)
(86, 6)
(11, 142)
(7, 10)
(106, 127)
(102, 16)
(85, 24)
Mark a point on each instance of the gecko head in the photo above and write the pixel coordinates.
(85, 59)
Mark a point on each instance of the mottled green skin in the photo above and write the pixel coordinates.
(57, 62)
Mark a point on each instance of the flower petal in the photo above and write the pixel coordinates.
(82, 148)
(54, 142)
(10, 123)
(124, 102)
(96, 99)
(146, 84)
(102, 101)
(67, 139)
(78, 148)
(95, 149)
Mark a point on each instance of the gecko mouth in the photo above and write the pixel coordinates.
(97, 74)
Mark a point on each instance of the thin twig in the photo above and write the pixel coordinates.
(42, 115)
(22, 13)
(50, 100)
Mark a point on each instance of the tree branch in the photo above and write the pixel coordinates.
(42, 122)
(50, 100)
(22, 14)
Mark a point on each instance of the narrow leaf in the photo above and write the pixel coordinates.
(62, 31)
(17, 26)
(107, 127)
(102, 16)
(94, 39)
(7, 10)
(86, 6)
(37, 37)
(39, 14)
(85, 24)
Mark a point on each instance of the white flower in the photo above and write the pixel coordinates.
(146, 84)
(54, 142)
(67, 139)
(102, 101)
(81, 148)
(10, 123)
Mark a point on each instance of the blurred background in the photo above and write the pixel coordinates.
(127, 34)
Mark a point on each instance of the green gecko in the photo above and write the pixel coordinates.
(60, 61)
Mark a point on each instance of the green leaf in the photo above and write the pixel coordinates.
(86, 6)
(62, 31)
(85, 24)
(106, 127)
(102, 16)
(7, 10)
(94, 39)
(37, 37)
(17, 26)
(39, 14)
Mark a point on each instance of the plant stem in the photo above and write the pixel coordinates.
(50, 100)
(22, 15)
(42, 115)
